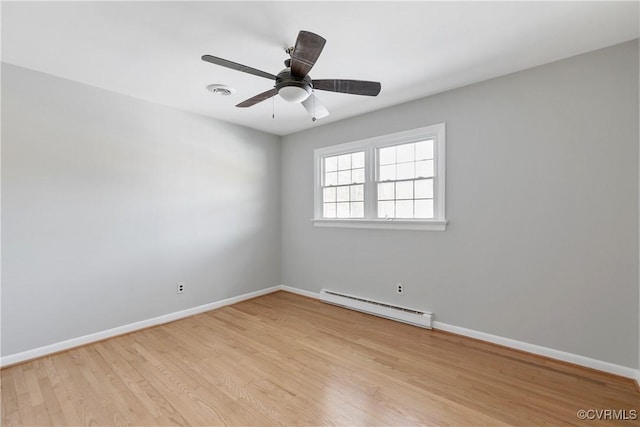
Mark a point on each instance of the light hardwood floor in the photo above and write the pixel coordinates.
(287, 359)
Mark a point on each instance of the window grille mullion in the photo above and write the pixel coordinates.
(329, 158)
(370, 202)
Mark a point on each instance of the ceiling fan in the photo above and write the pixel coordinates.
(294, 84)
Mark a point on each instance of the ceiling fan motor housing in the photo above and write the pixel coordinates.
(293, 84)
(289, 87)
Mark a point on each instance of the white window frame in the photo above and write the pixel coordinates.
(370, 146)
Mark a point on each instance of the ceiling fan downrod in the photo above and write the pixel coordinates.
(294, 84)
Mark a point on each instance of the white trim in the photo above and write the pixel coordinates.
(370, 147)
(302, 292)
(551, 353)
(131, 327)
(382, 224)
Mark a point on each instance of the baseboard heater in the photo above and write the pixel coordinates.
(377, 308)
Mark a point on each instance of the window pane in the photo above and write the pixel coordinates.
(357, 160)
(424, 168)
(344, 162)
(386, 191)
(386, 209)
(424, 150)
(342, 210)
(424, 208)
(343, 194)
(357, 175)
(357, 209)
(329, 210)
(357, 193)
(331, 164)
(388, 173)
(406, 153)
(331, 178)
(424, 189)
(404, 190)
(404, 209)
(329, 195)
(344, 177)
(405, 171)
(387, 155)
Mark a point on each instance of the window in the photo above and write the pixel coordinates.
(405, 180)
(343, 186)
(392, 181)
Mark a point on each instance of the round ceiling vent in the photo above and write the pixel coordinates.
(221, 89)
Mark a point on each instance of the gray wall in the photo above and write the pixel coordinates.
(108, 202)
(542, 198)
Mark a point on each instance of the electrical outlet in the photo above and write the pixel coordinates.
(181, 286)
(399, 288)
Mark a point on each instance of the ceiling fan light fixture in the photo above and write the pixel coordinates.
(294, 84)
(294, 93)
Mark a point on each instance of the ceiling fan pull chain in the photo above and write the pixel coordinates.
(293, 83)
(313, 106)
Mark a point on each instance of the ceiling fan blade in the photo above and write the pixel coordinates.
(305, 53)
(258, 98)
(314, 107)
(353, 87)
(238, 67)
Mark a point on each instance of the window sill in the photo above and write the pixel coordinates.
(382, 224)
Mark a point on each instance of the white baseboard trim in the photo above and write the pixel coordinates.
(125, 329)
(576, 359)
(302, 292)
(132, 327)
(551, 353)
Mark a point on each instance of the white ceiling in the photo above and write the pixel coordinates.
(152, 50)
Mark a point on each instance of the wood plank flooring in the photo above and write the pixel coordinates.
(283, 359)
